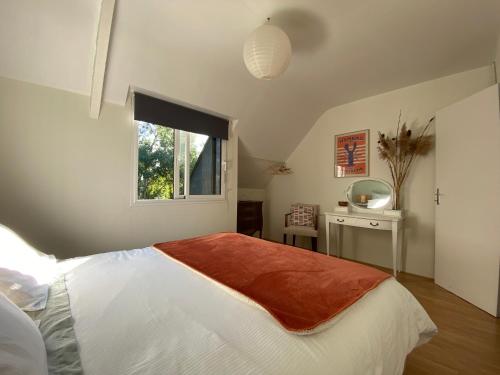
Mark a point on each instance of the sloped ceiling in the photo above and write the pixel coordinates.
(191, 51)
(254, 173)
(50, 43)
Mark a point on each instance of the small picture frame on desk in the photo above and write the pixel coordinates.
(352, 154)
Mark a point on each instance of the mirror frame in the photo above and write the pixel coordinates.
(354, 207)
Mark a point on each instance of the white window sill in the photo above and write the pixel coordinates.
(167, 202)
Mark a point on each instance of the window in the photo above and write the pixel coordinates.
(174, 163)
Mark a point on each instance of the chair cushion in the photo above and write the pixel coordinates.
(301, 230)
(302, 215)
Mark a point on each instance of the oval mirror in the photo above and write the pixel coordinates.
(370, 194)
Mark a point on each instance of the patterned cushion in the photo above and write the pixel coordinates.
(302, 215)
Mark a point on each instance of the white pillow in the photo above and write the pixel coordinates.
(22, 350)
(25, 273)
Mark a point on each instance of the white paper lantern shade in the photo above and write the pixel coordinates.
(267, 52)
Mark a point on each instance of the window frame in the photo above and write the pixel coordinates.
(178, 199)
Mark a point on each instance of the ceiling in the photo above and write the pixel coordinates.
(50, 43)
(191, 51)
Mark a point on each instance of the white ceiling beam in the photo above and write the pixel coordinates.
(101, 56)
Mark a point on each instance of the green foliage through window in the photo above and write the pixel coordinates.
(156, 162)
(156, 153)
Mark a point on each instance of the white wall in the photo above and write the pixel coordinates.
(497, 59)
(251, 194)
(255, 172)
(66, 180)
(312, 163)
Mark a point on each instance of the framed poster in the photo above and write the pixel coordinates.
(352, 154)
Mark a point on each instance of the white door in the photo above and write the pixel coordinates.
(468, 214)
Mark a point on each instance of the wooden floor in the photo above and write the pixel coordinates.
(468, 341)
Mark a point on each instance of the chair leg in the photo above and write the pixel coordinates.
(284, 238)
(293, 240)
(314, 243)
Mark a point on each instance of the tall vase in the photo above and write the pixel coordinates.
(396, 205)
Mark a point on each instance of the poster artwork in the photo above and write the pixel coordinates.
(351, 154)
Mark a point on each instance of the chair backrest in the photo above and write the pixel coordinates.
(315, 211)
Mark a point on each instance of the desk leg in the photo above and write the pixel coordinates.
(327, 227)
(400, 247)
(339, 239)
(395, 247)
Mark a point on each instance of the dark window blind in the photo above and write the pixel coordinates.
(161, 112)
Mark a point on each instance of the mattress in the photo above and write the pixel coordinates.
(139, 312)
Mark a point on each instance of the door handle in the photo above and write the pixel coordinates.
(373, 225)
(437, 195)
(340, 220)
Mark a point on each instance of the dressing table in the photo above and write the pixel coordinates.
(369, 200)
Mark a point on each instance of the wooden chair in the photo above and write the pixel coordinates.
(302, 230)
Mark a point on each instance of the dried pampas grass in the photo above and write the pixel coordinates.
(400, 151)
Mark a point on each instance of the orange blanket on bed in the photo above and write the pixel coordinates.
(299, 288)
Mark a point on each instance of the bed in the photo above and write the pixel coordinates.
(141, 312)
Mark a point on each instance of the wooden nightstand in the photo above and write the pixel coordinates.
(250, 217)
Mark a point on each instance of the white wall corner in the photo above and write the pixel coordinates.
(497, 60)
(103, 37)
(232, 174)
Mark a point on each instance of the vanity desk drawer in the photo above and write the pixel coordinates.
(362, 222)
(374, 224)
(344, 220)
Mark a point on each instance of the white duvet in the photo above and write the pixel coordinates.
(139, 312)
